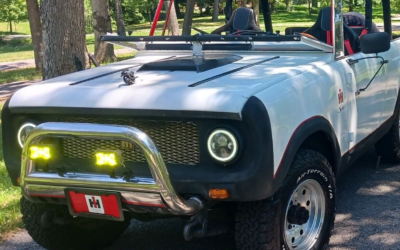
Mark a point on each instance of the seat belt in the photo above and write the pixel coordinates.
(348, 47)
(328, 38)
(364, 32)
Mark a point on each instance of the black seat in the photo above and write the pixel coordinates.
(322, 30)
(241, 19)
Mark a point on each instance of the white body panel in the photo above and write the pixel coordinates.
(165, 90)
(294, 88)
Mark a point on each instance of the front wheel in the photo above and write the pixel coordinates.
(300, 216)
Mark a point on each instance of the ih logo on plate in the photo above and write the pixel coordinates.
(94, 203)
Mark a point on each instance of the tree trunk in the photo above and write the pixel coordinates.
(101, 25)
(215, 12)
(188, 19)
(314, 3)
(120, 18)
(11, 30)
(173, 26)
(256, 8)
(287, 5)
(64, 38)
(36, 32)
(351, 7)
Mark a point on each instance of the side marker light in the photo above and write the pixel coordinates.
(218, 194)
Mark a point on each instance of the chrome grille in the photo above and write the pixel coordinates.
(178, 141)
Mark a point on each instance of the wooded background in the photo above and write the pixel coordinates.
(59, 28)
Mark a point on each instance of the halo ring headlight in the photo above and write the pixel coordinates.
(24, 131)
(222, 145)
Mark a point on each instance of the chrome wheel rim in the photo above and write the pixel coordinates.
(309, 195)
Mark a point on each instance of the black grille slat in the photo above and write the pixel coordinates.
(178, 141)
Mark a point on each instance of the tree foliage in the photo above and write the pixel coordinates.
(13, 11)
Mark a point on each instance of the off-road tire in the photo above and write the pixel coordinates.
(388, 147)
(86, 234)
(260, 224)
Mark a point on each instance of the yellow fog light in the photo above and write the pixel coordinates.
(39, 152)
(108, 158)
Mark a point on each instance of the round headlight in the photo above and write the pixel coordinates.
(222, 145)
(24, 131)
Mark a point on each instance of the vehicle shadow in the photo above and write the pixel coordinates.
(368, 215)
(368, 206)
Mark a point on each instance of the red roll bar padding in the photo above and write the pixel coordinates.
(156, 17)
(167, 19)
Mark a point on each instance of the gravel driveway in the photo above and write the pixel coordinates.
(368, 217)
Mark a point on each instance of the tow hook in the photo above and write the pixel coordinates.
(208, 223)
(197, 225)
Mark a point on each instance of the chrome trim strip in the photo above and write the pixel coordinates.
(317, 44)
(91, 181)
(163, 185)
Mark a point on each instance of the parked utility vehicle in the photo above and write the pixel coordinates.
(241, 132)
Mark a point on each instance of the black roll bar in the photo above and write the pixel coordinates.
(228, 10)
(387, 19)
(368, 15)
(267, 15)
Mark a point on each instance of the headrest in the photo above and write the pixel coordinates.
(241, 18)
(325, 18)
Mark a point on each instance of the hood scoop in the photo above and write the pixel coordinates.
(188, 63)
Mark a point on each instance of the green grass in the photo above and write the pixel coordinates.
(10, 216)
(27, 74)
(11, 53)
(280, 21)
(22, 29)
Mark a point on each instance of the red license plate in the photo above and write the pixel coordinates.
(94, 204)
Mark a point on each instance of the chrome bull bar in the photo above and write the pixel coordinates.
(45, 183)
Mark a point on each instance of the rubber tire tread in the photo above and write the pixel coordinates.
(257, 223)
(71, 236)
(388, 147)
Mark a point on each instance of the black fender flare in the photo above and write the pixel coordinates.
(302, 132)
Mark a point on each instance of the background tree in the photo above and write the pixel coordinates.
(101, 25)
(120, 18)
(139, 11)
(173, 26)
(64, 38)
(314, 3)
(351, 5)
(215, 11)
(36, 32)
(12, 11)
(256, 8)
(188, 19)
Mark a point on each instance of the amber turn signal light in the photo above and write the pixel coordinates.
(218, 193)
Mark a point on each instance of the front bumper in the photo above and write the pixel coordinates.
(157, 191)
